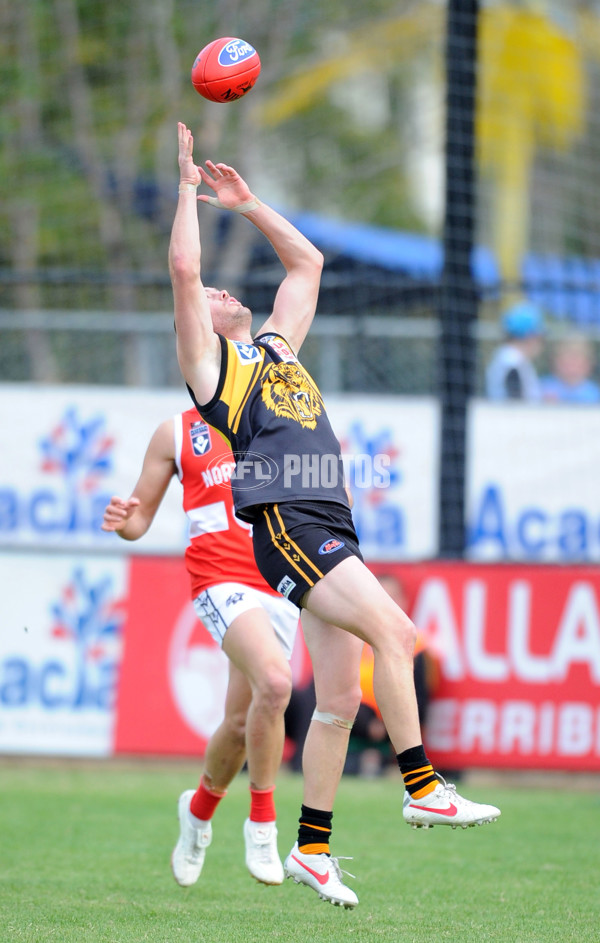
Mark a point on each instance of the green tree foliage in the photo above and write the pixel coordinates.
(91, 91)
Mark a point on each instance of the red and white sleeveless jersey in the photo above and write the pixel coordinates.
(220, 547)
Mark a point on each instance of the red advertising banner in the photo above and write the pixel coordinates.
(163, 642)
(173, 676)
(519, 650)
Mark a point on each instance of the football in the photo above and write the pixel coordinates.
(225, 69)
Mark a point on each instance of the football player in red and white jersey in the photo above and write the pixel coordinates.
(254, 625)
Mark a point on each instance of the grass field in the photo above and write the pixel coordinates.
(85, 857)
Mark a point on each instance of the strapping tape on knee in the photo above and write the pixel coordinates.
(327, 718)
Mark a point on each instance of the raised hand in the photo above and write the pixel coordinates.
(188, 171)
(230, 188)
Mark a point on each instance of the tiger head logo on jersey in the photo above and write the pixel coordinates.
(289, 392)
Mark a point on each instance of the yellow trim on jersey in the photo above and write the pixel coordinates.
(235, 424)
(295, 545)
(237, 388)
(223, 435)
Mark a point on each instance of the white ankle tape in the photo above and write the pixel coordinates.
(326, 718)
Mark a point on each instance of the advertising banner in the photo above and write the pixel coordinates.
(173, 676)
(518, 650)
(519, 655)
(61, 632)
(531, 492)
(65, 450)
(106, 654)
(390, 451)
(101, 655)
(532, 482)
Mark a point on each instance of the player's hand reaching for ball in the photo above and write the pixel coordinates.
(118, 512)
(232, 192)
(230, 188)
(188, 172)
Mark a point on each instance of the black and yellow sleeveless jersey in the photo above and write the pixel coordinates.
(271, 412)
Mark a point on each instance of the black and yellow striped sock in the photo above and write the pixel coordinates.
(314, 831)
(417, 772)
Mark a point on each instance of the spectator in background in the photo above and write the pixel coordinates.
(573, 362)
(511, 373)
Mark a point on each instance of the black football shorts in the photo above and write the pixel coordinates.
(298, 542)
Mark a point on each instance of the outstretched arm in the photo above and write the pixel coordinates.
(296, 299)
(198, 349)
(131, 517)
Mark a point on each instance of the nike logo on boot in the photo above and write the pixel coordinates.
(321, 878)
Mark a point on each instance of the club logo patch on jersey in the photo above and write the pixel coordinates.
(247, 353)
(285, 586)
(200, 437)
(331, 545)
(281, 347)
(289, 392)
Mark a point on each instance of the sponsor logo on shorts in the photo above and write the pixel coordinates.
(331, 545)
(234, 598)
(285, 586)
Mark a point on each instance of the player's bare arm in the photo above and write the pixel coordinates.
(198, 349)
(296, 299)
(131, 517)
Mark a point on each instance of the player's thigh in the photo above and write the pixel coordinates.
(351, 597)
(250, 627)
(284, 617)
(251, 644)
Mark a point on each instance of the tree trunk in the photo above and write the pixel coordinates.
(24, 209)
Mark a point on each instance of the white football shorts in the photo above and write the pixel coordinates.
(219, 605)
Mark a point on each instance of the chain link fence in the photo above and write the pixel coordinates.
(358, 353)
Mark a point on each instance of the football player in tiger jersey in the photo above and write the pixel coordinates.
(288, 483)
(254, 625)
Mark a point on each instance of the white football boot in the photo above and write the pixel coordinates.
(188, 855)
(323, 874)
(444, 806)
(262, 857)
